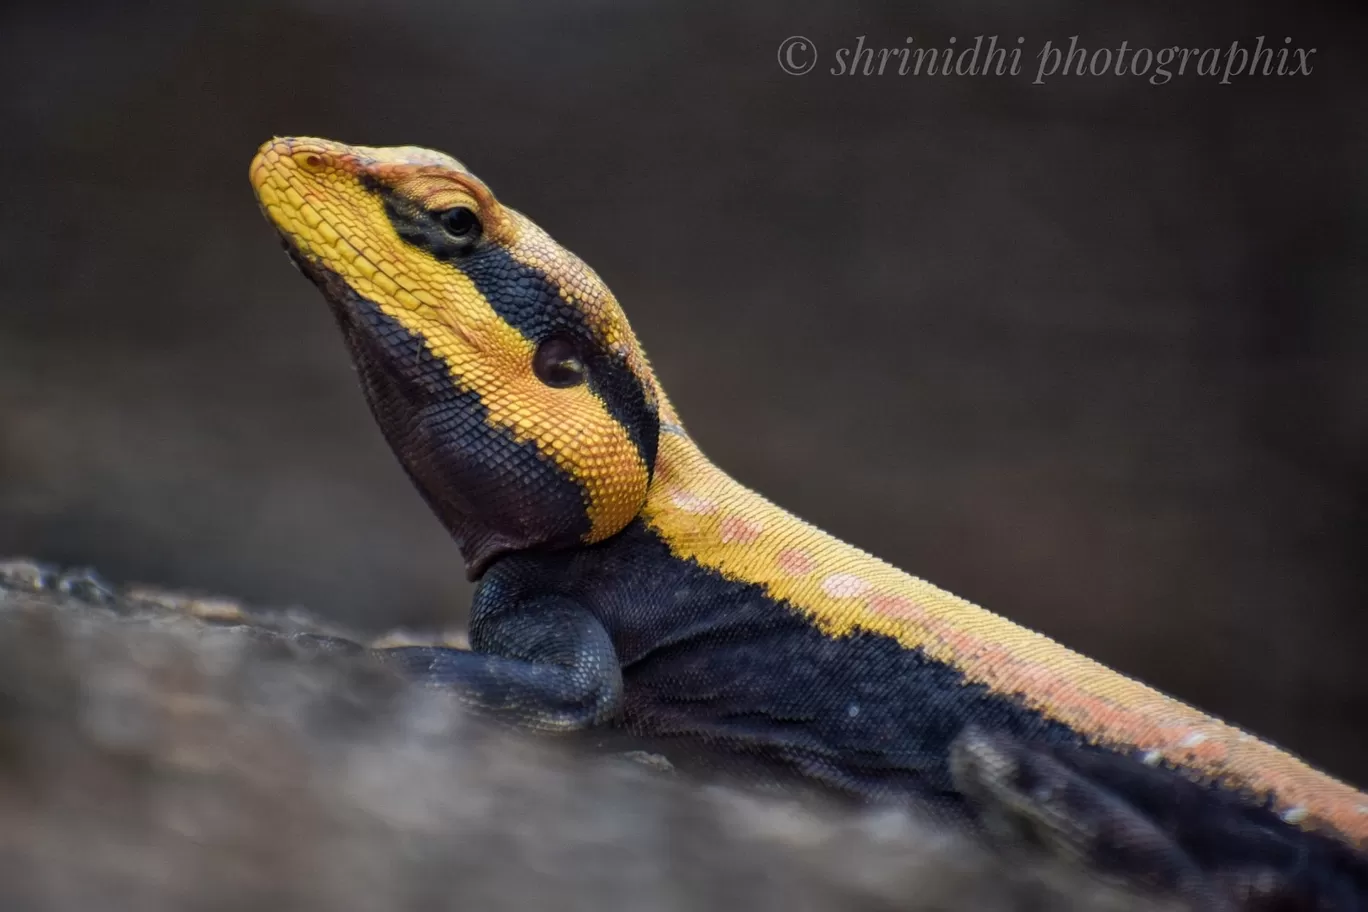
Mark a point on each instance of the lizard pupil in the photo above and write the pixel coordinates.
(460, 223)
(557, 363)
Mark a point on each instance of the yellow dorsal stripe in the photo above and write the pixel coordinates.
(704, 515)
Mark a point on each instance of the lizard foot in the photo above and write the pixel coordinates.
(1030, 802)
(24, 575)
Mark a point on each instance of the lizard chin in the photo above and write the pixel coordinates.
(480, 543)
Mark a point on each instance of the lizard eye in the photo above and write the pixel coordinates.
(557, 363)
(461, 223)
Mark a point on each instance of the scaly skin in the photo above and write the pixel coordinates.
(626, 581)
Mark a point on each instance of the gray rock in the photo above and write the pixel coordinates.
(161, 751)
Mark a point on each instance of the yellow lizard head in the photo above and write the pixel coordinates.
(499, 366)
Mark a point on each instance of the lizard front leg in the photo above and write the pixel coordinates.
(541, 661)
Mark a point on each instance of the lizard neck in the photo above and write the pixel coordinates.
(705, 515)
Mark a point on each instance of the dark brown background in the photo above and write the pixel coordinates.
(1091, 353)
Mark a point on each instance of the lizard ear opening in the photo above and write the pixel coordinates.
(558, 364)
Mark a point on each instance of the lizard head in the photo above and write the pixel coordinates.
(499, 367)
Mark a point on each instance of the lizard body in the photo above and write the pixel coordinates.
(626, 581)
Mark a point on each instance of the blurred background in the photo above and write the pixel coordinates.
(1091, 352)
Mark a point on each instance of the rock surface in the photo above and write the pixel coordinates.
(168, 752)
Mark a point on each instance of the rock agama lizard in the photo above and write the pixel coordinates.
(625, 581)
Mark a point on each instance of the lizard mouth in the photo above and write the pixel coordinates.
(301, 262)
(335, 288)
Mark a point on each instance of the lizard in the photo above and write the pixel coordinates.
(626, 583)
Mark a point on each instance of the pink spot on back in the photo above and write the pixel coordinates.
(896, 606)
(740, 530)
(692, 503)
(844, 585)
(795, 562)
